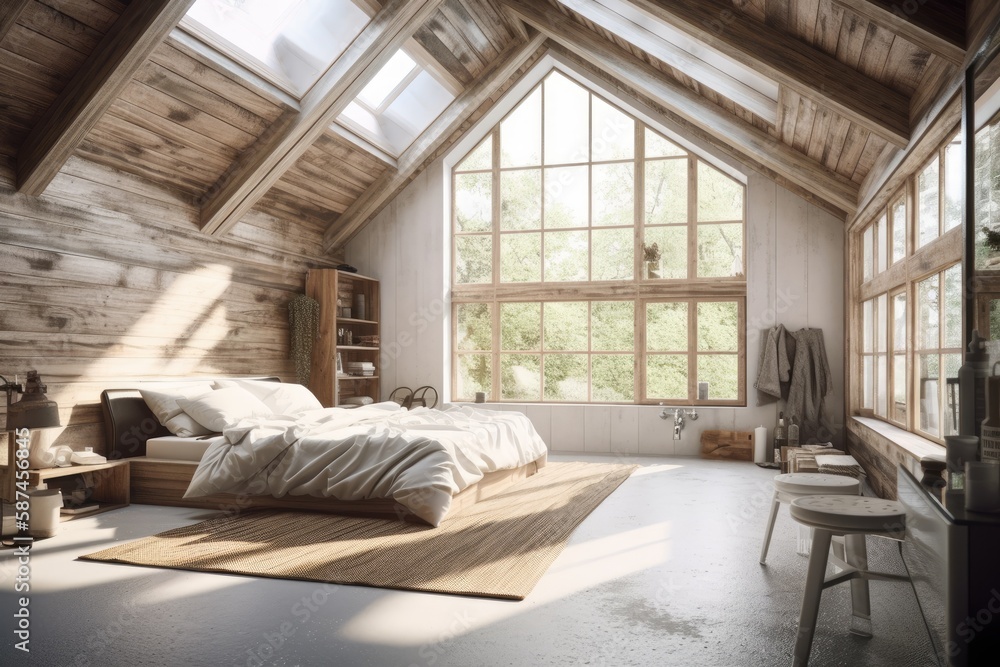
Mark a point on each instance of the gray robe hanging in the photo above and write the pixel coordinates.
(810, 388)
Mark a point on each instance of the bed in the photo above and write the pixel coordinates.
(165, 468)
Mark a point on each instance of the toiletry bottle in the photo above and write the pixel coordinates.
(780, 439)
(793, 433)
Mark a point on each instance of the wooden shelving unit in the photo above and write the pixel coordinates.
(110, 484)
(335, 290)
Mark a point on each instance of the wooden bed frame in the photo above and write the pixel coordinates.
(129, 424)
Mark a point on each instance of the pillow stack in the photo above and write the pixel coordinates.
(200, 408)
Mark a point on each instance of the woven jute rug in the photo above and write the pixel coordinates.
(499, 547)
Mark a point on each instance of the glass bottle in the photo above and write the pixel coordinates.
(793, 433)
(780, 440)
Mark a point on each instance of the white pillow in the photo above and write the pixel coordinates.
(223, 407)
(185, 426)
(281, 398)
(163, 403)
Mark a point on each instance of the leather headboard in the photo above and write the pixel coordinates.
(129, 423)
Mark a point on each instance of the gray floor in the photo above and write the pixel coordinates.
(664, 572)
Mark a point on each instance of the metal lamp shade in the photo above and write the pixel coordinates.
(32, 411)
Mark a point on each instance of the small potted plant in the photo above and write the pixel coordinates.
(651, 255)
(991, 243)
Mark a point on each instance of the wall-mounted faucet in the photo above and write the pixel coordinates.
(678, 415)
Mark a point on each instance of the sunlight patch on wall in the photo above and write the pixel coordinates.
(189, 309)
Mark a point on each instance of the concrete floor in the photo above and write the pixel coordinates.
(664, 572)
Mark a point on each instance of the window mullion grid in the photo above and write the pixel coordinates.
(941, 168)
(495, 306)
(939, 278)
(891, 352)
(590, 244)
(681, 291)
(692, 217)
(638, 199)
(639, 360)
(942, 379)
(590, 209)
(692, 388)
(541, 352)
(542, 232)
(912, 310)
(590, 350)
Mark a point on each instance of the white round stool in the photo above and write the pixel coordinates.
(789, 486)
(852, 517)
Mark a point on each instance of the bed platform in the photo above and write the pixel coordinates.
(163, 482)
(129, 424)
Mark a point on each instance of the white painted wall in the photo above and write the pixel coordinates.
(795, 271)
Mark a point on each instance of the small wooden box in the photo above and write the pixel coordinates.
(727, 445)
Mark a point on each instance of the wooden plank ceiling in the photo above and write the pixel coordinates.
(855, 77)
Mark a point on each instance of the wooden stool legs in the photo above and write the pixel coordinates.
(815, 576)
(775, 504)
(861, 612)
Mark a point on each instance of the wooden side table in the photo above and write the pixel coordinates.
(111, 484)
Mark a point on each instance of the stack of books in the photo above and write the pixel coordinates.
(362, 368)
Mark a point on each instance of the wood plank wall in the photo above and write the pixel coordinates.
(106, 280)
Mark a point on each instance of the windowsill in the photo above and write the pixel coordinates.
(909, 443)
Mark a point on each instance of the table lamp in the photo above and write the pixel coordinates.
(34, 410)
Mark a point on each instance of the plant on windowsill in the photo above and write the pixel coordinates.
(988, 252)
(651, 256)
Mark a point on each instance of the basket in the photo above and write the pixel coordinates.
(990, 444)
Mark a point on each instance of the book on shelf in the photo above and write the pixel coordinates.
(80, 509)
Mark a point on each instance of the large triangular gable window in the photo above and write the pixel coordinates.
(595, 259)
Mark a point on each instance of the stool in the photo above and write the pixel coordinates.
(789, 486)
(852, 517)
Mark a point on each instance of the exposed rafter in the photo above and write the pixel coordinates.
(261, 166)
(665, 43)
(10, 10)
(894, 18)
(762, 148)
(127, 45)
(790, 62)
(428, 143)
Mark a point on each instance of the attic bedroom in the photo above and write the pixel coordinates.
(500, 332)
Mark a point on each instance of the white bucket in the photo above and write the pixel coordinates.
(43, 516)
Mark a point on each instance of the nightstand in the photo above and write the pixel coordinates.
(110, 483)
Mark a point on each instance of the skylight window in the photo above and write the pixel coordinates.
(399, 103)
(291, 43)
(388, 80)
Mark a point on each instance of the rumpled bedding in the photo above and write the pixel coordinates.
(419, 457)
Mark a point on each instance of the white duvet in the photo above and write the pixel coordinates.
(420, 457)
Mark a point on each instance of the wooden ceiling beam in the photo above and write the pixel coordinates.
(103, 76)
(792, 63)
(759, 146)
(896, 20)
(732, 80)
(428, 143)
(274, 153)
(10, 11)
